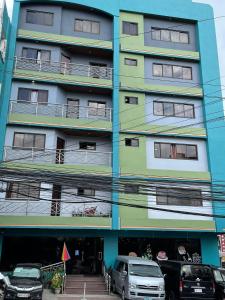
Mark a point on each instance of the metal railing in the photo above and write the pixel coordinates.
(48, 272)
(97, 72)
(107, 277)
(57, 156)
(60, 110)
(54, 207)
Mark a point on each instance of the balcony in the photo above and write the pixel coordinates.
(57, 156)
(74, 112)
(61, 72)
(29, 207)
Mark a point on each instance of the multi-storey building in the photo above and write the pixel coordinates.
(112, 88)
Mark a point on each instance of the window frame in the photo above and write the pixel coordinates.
(97, 108)
(85, 142)
(132, 62)
(174, 113)
(173, 150)
(124, 23)
(131, 140)
(34, 137)
(153, 29)
(126, 100)
(92, 194)
(91, 26)
(172, 66)
(9, 191)
(180, 191)
(30, 91)
(43, 12)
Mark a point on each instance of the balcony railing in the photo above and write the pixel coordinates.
(60, 110)
(63, 68)
(57, 156)
(29, 207)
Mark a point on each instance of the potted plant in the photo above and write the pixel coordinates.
(56, 283)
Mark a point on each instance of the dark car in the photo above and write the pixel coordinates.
(219, 280)
(184, 280)
(25, 282)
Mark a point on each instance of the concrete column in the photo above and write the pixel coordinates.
(110, 248)
(210, 251)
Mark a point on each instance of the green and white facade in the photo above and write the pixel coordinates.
(91, 85)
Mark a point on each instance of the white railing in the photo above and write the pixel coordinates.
(32, 207)
(60, 110)
(63, 68)
(57, 156)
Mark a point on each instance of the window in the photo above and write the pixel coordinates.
(96, 108)
(85, 192)
(30, 95)
(130, 62)
(131, 100)
(39, 17)
(173, 109)
(19, 190)
(130, 28)
(175, 151)
(87, 26)
(29, 140)
(36, 54)
(132, 142)
(178, 197)
(87, 146)
(172, 71)
(131, 188)
(168, 35)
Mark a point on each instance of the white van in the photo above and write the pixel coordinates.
(137, 278)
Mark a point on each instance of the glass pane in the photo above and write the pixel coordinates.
(86, 26)
(187, 73)
(125, 27)
(24, 94)
(191, 152)
(130, 62)
(158, 108)
(181, 151)
(45, 55)
(184, 37)
(31, 17)
(30, 53)
(167, 71)
(157, 150)
(177, 72)
(131, 100)
(165, 35)
(168, 109)
(189, 111)
(166, 150)
(28, 140)
(161, 196)
(39, 142)
(133, 29)
(95, 27)
(23, 191)
(156, 34)
(157, 70)
(78, 25)
(134, 142)
(175, 36)
(48, 19)
(42, 96)
(18, 140)
(179, 110)
(87, 146)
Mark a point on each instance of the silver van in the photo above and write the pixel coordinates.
(137, 278)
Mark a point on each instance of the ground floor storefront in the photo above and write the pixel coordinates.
(88, 249)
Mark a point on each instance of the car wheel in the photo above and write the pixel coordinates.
(123, 295)
(171, 296)
(114, 287)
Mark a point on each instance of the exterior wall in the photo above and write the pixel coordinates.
(150, 23)
(64, 21)
(173, 121)
(150, 79)
(199, 165)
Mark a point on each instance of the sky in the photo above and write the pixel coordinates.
(219, 10)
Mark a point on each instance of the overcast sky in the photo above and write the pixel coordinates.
(219, 10)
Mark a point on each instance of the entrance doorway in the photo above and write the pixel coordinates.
(60, 147)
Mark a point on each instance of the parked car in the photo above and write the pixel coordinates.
(25, 282)
(137, 278)
(219, 281)
(184, 280)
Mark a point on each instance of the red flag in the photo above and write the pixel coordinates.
(65, 253)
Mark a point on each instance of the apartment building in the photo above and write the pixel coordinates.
(112, 89)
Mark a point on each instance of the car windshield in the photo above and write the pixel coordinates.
(27, 272)
(192, 272)
(218, 276)
(144, 270)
